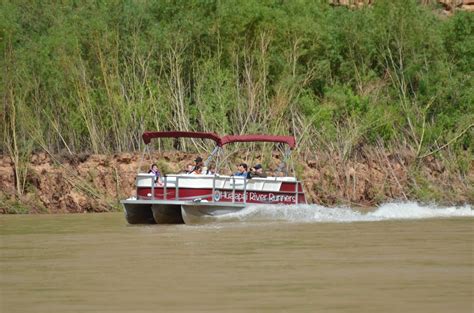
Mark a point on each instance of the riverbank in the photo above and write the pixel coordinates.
(96, 183)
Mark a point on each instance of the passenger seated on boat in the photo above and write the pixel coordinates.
(197, 170)
(211, 170)
(242, 170)
(154, 170)
(189, 169)
(257, 171)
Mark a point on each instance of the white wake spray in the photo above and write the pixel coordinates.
(317, 213)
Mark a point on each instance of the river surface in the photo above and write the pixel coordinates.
(396, 258)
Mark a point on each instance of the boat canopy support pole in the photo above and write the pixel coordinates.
(211, 156)
(289, 160)
(283, 166)
(286, 159)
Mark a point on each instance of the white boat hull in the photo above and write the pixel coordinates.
(203, 213)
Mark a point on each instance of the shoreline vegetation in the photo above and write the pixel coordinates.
(380, 98)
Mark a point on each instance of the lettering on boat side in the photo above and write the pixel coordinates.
(253, 197)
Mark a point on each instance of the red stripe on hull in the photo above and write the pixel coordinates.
(270, 197)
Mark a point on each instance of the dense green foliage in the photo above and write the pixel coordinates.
(93, 75)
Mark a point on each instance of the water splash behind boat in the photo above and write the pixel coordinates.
(321, 214)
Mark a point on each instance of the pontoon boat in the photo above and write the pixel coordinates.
(183, 198)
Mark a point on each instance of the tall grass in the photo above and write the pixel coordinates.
(93, 75)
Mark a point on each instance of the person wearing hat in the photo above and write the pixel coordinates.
(198, 160)
(257, 171)
(198, 163)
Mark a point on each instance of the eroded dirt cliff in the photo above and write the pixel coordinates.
(96, 183)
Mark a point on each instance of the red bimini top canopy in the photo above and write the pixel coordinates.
(148, 136)
(220, 141)
(289, 140)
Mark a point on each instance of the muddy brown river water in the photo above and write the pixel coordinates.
(303, 259)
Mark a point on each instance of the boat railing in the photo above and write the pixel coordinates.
(233, 181)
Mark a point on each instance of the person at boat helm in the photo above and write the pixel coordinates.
(257, 171)
(242, 170)
(154, 170)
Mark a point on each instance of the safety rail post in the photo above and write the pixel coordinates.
(245, 190)
(153, 188)
(233, 189)
(296, 192)
(165, 188)
(213, 187)
(176, 196)
(136, 186)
